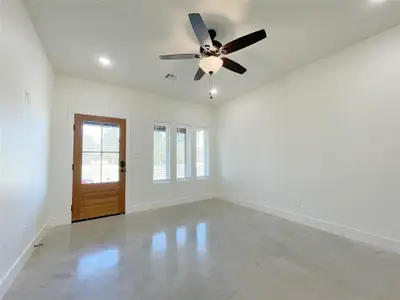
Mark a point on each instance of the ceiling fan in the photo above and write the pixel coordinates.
(212, 52)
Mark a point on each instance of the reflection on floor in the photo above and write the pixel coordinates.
(205, 250)
(93, 263)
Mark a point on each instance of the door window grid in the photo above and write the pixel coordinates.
(100, 165)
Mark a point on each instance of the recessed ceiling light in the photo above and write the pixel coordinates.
(377, 1)
(213, 91)
(104, 61)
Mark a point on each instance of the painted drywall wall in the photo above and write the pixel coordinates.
(24, 137)
(321, 146)
(141, 111)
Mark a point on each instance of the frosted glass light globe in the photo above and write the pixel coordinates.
(211, 64)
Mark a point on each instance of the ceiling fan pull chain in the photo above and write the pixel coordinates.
(210, 87)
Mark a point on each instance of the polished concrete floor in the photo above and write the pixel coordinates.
(205, 250)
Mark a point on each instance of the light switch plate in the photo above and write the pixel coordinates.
(27, 97)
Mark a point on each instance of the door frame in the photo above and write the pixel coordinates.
(77, 152)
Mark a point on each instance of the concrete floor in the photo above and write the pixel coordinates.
(205, 250)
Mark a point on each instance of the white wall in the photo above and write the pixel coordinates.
(141, 111)
(322, 145)
(24, 137)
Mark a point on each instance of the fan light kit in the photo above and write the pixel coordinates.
(211, 64)
(212, 53)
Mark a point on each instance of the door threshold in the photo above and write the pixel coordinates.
(95, 218)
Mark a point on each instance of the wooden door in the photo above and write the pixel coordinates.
(99, 167)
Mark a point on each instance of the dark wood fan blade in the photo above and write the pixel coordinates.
(233, 66)
(245, 41)
(180, 56)
(201, 30)
(199, 74)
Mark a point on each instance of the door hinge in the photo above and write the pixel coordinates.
(73, 126)
(73, 167)
(71, 207)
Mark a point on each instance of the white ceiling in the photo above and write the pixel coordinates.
(133, 33)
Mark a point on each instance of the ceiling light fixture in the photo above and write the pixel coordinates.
(376, 2)
(211, 64)
(104, 61)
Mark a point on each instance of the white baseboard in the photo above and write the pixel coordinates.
(160, 204)
(372, 239)
(60, 221)
(9, 277)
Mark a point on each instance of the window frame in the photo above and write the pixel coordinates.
(188, 153)
(168, 152)
(207, 170)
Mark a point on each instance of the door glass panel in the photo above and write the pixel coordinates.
(110, 138)
(91, 139)
(100, 153)
(91, 168)
(110, 167)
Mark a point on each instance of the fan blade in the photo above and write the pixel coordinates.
(245, 41)
(180, 56)
(199, 74)
(201, 30)
(233, 66)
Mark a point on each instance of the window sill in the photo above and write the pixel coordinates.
(203, 178)
(162, 181)
(184, 179)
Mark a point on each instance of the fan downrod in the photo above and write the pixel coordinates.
(212, 33)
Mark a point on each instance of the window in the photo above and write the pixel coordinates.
(182, 153)
(202, 155)
(161, 167)
(100, 153)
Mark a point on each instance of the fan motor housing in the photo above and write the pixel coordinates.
(216, 51)
(217, 46)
